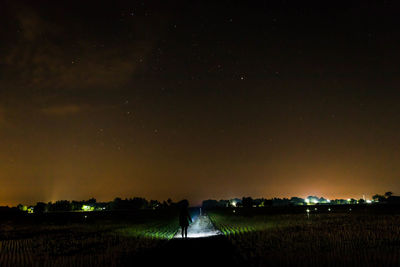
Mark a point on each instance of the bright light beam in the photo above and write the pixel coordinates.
(201, 227)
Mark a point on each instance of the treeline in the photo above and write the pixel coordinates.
(139, 203)
(387, 198)
(135, 203)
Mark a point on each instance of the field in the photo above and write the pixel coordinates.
(252, 237)
(320, 239)
(83, 241)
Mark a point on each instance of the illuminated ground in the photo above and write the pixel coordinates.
(206, 247)
(201, 227)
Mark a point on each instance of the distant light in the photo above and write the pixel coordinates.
(328, 201)
(369, 201)
(315, 209)
(307, 200)
(87, 208)
(85, 216)
(348, 200)
(329, 209)
(234, 211)
(350, 209)
(315, 201)
(233, 203)
(308, 210)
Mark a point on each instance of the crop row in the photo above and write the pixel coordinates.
(84, 247)
(332, 240)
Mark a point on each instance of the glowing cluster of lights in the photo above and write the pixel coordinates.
(87, 208)
(313, 201)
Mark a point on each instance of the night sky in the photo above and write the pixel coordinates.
(198, 99)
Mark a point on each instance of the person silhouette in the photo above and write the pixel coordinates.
(184, 218)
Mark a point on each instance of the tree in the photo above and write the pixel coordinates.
(60, 205)
(154, 204)
(138, 203)
(259, 202)
(223, 203)
(91, 201)
(116, 203)
(247, 202)
(296, 201)
(40, 208)
(388, 194)
(353, 201)
(210, 204)
(378, 198)
(76, 205)
(22, 207)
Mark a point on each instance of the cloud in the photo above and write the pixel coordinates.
(62, 110)
(66, 55)
(59, 64)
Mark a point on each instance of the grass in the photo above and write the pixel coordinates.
(323, 239)
(111, 243)
(163, 229)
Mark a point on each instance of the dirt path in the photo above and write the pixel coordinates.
(205, 246)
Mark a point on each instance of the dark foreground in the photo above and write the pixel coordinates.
(324, 236)
(208, 251)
